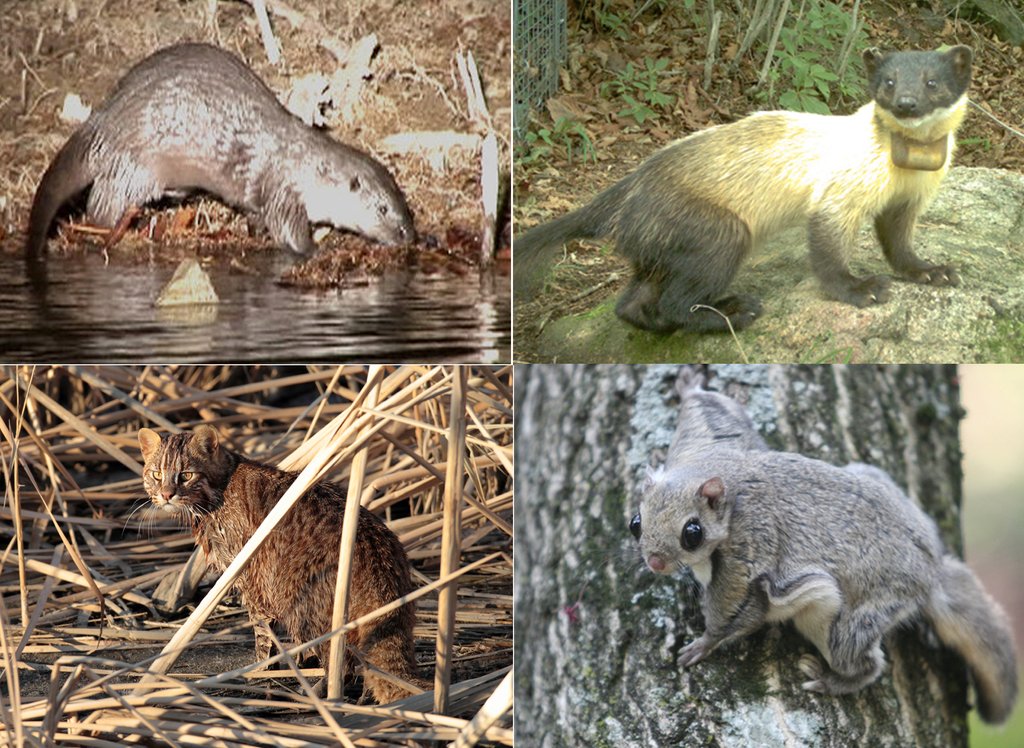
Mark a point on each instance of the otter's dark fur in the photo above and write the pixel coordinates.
(196, 117)
(689, 215)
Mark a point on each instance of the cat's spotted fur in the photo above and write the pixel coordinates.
(289, 582)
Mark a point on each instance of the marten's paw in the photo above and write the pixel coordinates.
(874, 289)
(740, 309)
(936, 275)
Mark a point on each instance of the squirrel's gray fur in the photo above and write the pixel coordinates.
(840, 551)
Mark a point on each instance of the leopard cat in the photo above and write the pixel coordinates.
(289, 582)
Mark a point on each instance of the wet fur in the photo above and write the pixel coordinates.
(196, 117)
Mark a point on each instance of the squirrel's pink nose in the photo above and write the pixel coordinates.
(656, 562)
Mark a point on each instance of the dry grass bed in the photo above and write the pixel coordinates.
(99, 647)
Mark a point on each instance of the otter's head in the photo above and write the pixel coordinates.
(349, 190)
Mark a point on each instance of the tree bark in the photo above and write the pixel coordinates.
(597, 634)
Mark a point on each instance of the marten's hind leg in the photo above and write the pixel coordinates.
(638, 304)
(685, 254)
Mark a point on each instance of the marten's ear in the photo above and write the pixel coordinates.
(149, 442)
(872, 58)
(206, 439)
(961, 58)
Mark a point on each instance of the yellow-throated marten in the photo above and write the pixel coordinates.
(689, 215)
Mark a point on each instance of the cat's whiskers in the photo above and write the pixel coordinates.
(139, 504)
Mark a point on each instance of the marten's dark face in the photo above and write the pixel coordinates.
(914, 85)
(184, 474)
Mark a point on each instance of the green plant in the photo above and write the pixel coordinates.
(826, 351)
(640, 89)
(807, 55)
(609, 22)
(565, 133)
(982, 142)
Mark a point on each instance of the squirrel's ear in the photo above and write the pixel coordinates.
(652, 476)
(713, 490)
(689, 379)
(149, 442)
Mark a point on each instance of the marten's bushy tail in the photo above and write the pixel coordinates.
(534, 251)
(969, 621)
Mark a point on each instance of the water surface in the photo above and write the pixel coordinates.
(104, 313)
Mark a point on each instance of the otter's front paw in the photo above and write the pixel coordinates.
(695, 651)
(936, 275)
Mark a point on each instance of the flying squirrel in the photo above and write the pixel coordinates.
(842, 552)
(689, 215)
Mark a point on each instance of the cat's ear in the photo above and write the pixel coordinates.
(206, 439)
(149, 442)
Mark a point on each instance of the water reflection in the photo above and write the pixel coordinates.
(97, 313)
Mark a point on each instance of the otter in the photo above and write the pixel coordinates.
(194, 117)
(689, 215)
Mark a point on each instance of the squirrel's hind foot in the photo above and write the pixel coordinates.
(826, 680)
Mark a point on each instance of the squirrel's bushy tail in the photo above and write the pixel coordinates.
(969, 621)
(534, 251)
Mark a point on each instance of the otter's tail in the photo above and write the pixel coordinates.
(969, 621)
(534, 252)
(66, 176)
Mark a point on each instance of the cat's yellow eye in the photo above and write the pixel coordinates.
(157, 474)
(186, 475)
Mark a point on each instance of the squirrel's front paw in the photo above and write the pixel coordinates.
(695, 651)
(811, 667)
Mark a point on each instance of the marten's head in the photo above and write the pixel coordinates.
(920, 92)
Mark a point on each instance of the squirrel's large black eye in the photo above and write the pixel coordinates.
(692, 536)
(634, 525)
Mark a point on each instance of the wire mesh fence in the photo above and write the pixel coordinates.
(540, 48)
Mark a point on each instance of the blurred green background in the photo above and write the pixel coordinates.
(992, 437)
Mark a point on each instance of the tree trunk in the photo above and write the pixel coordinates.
(597, 634)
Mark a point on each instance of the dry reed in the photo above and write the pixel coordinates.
(94, 649)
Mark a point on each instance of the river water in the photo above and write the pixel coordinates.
(104, 313)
